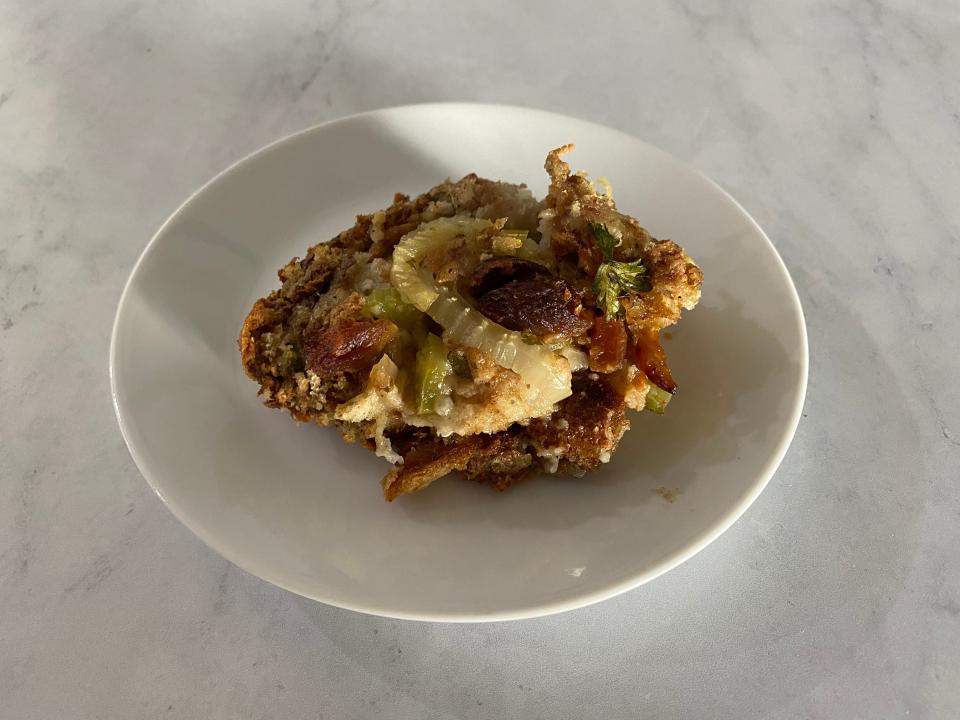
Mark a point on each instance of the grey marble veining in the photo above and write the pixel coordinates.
(835, 123)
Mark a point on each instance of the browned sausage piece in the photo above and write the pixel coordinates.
(541, 306)
(350, 345)
(499, 271)
(652, 359)
(608, 344)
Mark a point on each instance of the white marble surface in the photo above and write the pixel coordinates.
(836, 124)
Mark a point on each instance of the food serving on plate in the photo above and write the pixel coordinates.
(477, 329)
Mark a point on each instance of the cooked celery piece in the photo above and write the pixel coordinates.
(518, 234)
(387, 303)
(432, 369)
(657, 399)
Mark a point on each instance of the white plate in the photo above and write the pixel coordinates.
(296, 506)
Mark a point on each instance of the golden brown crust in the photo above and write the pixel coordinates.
(498, 459)
(506, 461)
(428, 461)
(587, 426)
(260, 316)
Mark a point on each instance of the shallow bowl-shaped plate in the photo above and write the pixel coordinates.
(296, 506)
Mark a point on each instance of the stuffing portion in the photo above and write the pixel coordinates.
(475, 329)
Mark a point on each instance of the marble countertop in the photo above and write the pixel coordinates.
(837, 125)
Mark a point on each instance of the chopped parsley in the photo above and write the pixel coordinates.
(604, 238)
(614, 278)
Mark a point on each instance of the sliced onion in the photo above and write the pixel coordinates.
(543, 370)
(577, 358)
(547, 373)
(415, 284)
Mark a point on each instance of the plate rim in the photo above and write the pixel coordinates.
(580, 600)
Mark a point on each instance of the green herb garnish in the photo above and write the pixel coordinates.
(615, 278)
(604, 238)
